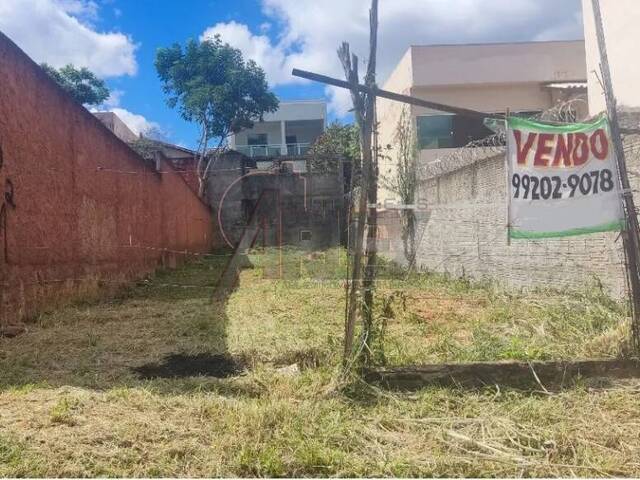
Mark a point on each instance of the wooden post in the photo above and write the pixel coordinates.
(370, 269)
(631, 236)
(507, 168)
(363, 105)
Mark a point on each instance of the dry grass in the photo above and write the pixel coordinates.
(72, 405)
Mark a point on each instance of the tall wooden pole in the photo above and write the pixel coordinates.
(358, 204)
(371, 266)
(631, 236)
(363, 108)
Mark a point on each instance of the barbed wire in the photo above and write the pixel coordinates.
(564, 112)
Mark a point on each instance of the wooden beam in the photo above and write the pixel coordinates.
(529, 375)
(316, 77)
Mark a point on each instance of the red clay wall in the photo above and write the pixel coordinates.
(89, 212)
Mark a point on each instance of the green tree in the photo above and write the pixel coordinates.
(81, 83)
(216, 88)
(338, 142)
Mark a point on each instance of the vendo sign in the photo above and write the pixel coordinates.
(562, 180)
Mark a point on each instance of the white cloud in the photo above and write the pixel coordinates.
(137, 123)
(115, 96)
(311, 31)
(60, 32)
(86, 10)
(272, 58)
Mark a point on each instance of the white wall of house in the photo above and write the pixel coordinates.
(489, 78)
(303, 119)
(505, 63)
(622, 31)
(492, 98)
(299, 110)
(271, 129)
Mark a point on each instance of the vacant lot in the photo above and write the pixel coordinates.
(119, 387)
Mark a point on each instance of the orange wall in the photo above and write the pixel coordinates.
(89, 212)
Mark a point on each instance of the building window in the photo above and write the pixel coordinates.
(305, 235)
(257, 139)
(435, 131)
(449, 131)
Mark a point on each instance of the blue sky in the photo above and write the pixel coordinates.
(118, 38)
(155, 23)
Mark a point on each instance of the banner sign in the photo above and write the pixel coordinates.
(563, 180)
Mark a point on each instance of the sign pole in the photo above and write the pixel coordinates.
(507, 172)
(631, 236)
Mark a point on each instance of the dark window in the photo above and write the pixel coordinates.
(435, 131)
(305, 235)
(449, 131)
(291, 139)
(257, 139)
(525, 114)
(469, 129)
(454, 131)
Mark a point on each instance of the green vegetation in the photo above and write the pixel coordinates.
(81, 83)
(214, 87)
(338, 144)
(72, 404)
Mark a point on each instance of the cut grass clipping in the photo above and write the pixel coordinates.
(73, 401)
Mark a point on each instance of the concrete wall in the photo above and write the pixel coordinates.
(117, 126)
(290, 202)
(621, 24)
(298, 110)
(496, 98)
(463, 232)
(481, 64)
(87, 212)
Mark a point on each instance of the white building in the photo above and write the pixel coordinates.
(621, 20)
(526, 78)
(290, 131)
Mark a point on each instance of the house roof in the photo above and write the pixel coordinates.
(171, 145)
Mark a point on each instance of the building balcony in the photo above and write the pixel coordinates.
(274, 150)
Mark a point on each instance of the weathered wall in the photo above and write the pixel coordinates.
(463, 232)
(89, 212)
(310, 201)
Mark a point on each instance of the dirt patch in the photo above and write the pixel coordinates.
(203, 364)
(435, 309)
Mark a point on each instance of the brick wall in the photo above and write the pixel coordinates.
(89, 212)
(464, 234)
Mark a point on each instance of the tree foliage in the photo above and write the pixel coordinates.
(404, 180)
(81, 83)
(339, 143)
(214, 86)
